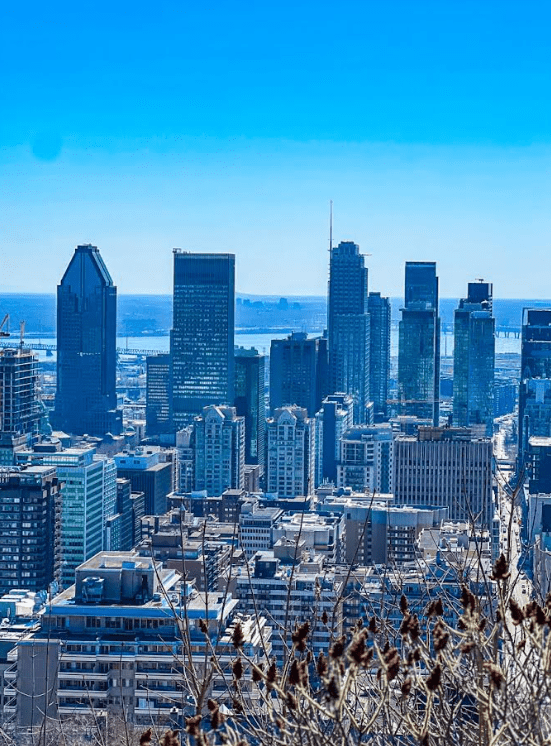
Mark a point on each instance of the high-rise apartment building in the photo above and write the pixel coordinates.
(290, 453)
(30, 501)
(151, 471)
(349, 325)
(86, 399)
(89, 499)
(158, 393)
(202, 337)
(379, 353)
(419, 344)
(334, 418)
(474, 359)
(20, 411)
(365, 459)
(445, 467)
(299, 369)
(250, 402)
(535, 377)
(219, 450)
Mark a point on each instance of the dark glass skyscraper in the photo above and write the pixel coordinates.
(474, 359)
(379, 353)
(86, 396)
(250, 402)
(419, 344)
(298, 372)
(202, 337)
(535, 377)
(348, 325)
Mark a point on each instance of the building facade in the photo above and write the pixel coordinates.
(349, 326)
(379, 353)
(419, 344)
(86, 398)
(299, 369)
(365, 459)
(250, 402)
(474, 359)
(290, 458)
(334, 418)
(219, 450)
(202, 337)
(20, 411)
(535, 377)
(158, 393)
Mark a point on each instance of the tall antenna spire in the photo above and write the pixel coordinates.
(330, 224)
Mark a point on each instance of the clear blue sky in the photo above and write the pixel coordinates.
(229, 127)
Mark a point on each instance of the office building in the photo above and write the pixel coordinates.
(89, 499)
(290, 455)
(298, 372)
(250, 402)
(445, 467)
(219, 450)
(86, 398)
(202, 337)
(539, 460)
(365, 459)
(256, 527)
(535, 377)
(30, 504)
(121, 641)
(319, 533)
(379, 353)
(349, 325)
(419, 344)
(150, 471)
(474, 359)
(334, 418)
(158, 393)
(20, 410)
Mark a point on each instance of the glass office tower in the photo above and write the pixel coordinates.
(535, 377)
(474, 359)
(86, 397)
(379, 353)
(419, 344)
(349, 326)
(202, 336)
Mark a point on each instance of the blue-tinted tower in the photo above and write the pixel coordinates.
(86, 398)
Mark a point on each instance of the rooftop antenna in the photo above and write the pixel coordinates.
(330, 225)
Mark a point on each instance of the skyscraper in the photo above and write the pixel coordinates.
(298, 372)
(290, 453)
(202, 337)
(348, 325)
(20, 411)
(86, 396)
(419, 344)
(158, 393)
(535, 377)
(219, 450)
(474, 359)
(379, 353)
(250, 402)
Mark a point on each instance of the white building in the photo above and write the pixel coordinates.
(219, 450)
(365, 461)
(290, 453)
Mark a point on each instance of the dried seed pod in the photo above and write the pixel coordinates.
(337, 649)
(433, 680)
(193, 725)
(403, 604)
(500, 569)
(517, 615)
(406, 687)
(321, 665)
(237, 669)
(238, 638)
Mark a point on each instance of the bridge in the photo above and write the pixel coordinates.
(30, 345)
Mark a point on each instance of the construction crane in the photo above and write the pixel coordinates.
(5, 321)
(21, 333)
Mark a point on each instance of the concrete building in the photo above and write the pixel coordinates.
(30, 505)
(256, 527)
(86, 398)
(365, 459)
(334, 418)
(219, 450)
(290, 457)
(149, 472)
(250, 403)
(349, 326)
(290, 598)
(20, 411)
(445, 467)
(419, 344)
(202, 337)
(474, 359)
(299, 369)
(322, 533)
(121, 640)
